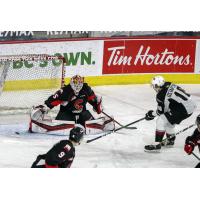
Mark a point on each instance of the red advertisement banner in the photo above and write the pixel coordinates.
(149, 56)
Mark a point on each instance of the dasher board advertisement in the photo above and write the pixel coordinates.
(149, 56)
(82, 57)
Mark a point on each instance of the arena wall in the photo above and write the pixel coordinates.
(109, 61)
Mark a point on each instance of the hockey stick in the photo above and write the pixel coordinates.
(117, 121)
(181, 131)
(195, 156)
(91, 140)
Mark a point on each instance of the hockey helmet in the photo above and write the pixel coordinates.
(76, 83)
(77, 133)
(157, 82)
(198, 121)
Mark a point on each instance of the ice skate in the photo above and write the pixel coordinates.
(169, 142)
(153, 147)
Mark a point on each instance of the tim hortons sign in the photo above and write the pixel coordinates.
(149, 56)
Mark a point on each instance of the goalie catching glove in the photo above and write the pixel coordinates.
(37, 112)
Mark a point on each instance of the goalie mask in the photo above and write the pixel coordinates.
(76, 83)
(77, 133)
(198, 121)
(157, 83)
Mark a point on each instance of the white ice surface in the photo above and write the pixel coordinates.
(124, 149)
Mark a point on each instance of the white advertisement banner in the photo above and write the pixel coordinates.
(82, 57)
(197, 58)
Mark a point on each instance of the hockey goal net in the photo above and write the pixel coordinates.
(27, 80)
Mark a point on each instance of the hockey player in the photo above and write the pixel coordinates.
(72, 99)
(173, 106)
(193, 140)
(62, 154)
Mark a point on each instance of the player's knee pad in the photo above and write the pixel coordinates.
(161, 123)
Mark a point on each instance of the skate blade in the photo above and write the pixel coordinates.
(168, 146)
(153, 151)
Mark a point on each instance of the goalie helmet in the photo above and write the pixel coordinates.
(77, 133)
(157, 83)
(198, 121)
(76, 83)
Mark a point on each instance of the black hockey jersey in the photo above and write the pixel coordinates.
(172, 98)
(61, 155)
(68, 101)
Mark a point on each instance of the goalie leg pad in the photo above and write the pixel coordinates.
(98, 125)
(44, 126)
(109, 124)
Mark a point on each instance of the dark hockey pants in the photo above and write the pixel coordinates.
(177, 116)
(80, 118)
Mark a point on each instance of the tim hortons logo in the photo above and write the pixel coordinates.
(144, 57)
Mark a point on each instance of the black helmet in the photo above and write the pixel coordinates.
(76, 134)
(198, 121)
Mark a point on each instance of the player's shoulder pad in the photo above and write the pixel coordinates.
(167, 84)
(66, 145)
(161, 94)
(87, 88)
(67, 89)
(165, 87)
(85, 85)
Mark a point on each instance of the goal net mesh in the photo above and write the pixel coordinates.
(27, 80)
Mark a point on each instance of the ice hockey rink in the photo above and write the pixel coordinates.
(123, 149)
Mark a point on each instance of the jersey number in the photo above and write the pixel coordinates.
(181, 94)
(61, 154)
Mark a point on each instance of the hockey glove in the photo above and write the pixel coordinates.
(40, 157)
(98, 107)
(39, 111)
(150, 115)
(189, 145)
(43, 108)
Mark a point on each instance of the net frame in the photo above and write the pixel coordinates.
(6, 59)
(35, 57)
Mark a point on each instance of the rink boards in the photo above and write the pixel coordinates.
(107, 61)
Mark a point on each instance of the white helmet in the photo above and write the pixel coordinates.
(157, 82)
(76, 83)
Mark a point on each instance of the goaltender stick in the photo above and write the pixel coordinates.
(72, 99)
